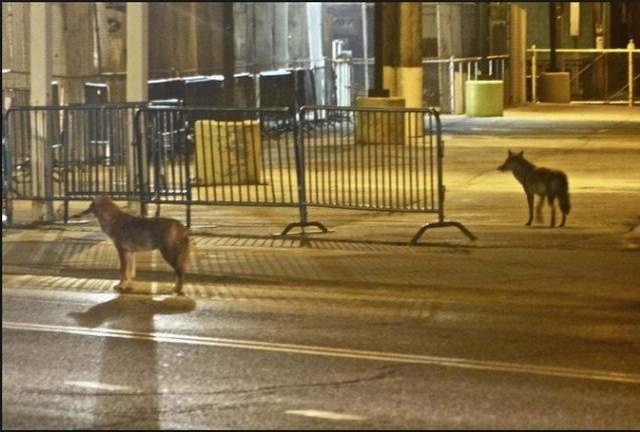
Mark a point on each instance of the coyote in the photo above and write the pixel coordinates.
(132, 234)
(545, 182)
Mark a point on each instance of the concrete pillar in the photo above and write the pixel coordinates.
(402, 70)
(390, 46)
(379, 127)
(409, 78)
(137, 83)
(317, 63)
(137, 52)
(41, 53)
(401, 75)
(517, 54)
(41, 73)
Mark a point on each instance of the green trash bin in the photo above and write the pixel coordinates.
(484, 98)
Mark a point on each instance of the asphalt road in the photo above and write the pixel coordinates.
(294, 357)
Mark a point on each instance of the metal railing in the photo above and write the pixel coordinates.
(444, 79)
(597, 75)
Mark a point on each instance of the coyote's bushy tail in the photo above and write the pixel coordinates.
(563, 197)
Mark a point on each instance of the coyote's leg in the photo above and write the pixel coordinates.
(530, 204)
(539, 217)
(553, 210)
(177, 256)
(125, 260)
(131, 265)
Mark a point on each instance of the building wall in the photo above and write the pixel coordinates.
(186, 38)
(538, 27)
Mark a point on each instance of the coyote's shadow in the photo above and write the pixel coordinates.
(142, 308)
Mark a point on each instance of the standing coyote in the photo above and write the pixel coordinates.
(545, 182)
(131, 234)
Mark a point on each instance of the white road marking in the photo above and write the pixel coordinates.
(325, 415)
(462, 363)
(99, 386)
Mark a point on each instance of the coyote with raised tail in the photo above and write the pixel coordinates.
(545, 182)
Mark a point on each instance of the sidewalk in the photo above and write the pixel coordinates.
(368, 248)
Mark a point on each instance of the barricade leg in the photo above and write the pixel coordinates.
(302, 225)
(442, 224)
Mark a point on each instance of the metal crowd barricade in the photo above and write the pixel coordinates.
(386, 159)
(35, 176)
(83, 150)
(216, 156)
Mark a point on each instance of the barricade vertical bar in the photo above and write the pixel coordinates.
(241, 164)
(300, 164)
(300, 171)
(431, 145)
(534, 73)
(143, 119)
(257, 163)
(452, 85)
(441, 190)
(188, 184)
(67, 166)
(439, 159)
(7, 174)
(630, 46)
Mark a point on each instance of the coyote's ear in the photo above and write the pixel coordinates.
(509, 152)
(521, 153)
